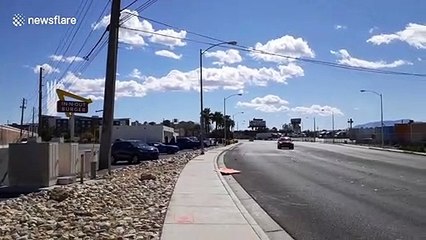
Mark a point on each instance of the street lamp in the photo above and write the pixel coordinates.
(233, 115)
(381, 112)
(224, 114)
(201, 90)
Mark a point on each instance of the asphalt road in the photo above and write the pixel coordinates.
(325, 191)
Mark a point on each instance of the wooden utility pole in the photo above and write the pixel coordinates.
(22, 116)
(109, 94)
(40, 95)
(32, 124)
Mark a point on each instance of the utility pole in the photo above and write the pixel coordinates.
(22, 115)
(32, 124)
(315, 131)
(40, 95)
(109, 94)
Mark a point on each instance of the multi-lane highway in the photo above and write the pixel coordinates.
(325, 191)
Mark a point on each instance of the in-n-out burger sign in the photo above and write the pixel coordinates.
(72, 107)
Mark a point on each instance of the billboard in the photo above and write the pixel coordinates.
(295, 121)
(256, 123)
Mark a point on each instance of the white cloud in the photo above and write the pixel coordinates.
(173, 41)
(127, 36)
(317, 110)
(419, 59)
(146, 30)
(136, 74)
(340, 27)
(61, 58)
(47, 69)
(272, 103)
(347, 59)
(232, 78)
(94, 88)
(226, 77)
(373, 29)
(286, 45)
(169, 54)
(229, 56)
(269, 103)
(413, 34)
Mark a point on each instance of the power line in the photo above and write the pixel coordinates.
(86, 39)
(169, 36)
(141, 8)
(129, 5)
(86, 62)
(67, 44)
(102, 42)
(249, 49)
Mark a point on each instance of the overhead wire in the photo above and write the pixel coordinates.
(250, 49)
(102, 42)
(67, 44)
(84, 62)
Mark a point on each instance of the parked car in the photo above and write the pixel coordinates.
(163, 148)
(285, 142)
(132, 151)
(187, 143)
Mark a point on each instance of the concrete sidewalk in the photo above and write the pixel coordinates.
(202, 208)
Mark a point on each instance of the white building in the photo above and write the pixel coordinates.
(145, 133)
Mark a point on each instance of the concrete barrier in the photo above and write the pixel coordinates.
(33, 164)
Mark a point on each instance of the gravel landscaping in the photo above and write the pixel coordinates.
(129, 204)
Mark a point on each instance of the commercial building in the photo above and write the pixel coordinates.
(412, 132)
(144, 133)
(400, 133)
(83, 125)
(257, 124)
(10, 134)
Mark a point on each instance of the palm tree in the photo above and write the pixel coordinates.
(207, 119)
(217, 118)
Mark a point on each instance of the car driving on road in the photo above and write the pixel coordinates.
(133, 151)
(285, 142)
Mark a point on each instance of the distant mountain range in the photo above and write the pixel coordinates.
(385, 123)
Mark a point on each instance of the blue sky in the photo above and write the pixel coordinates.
(158, 75)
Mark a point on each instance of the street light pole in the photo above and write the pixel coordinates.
(201, 104)
(315, 133)
(201, 91)
(381, 113)
(224, 114)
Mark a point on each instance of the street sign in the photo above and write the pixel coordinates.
(72, 107)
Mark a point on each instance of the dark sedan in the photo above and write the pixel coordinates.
(285, 142)
(163, 148)
(132, 151)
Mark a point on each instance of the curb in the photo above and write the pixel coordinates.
(383, 149)
(268, 229)
(398, 151)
